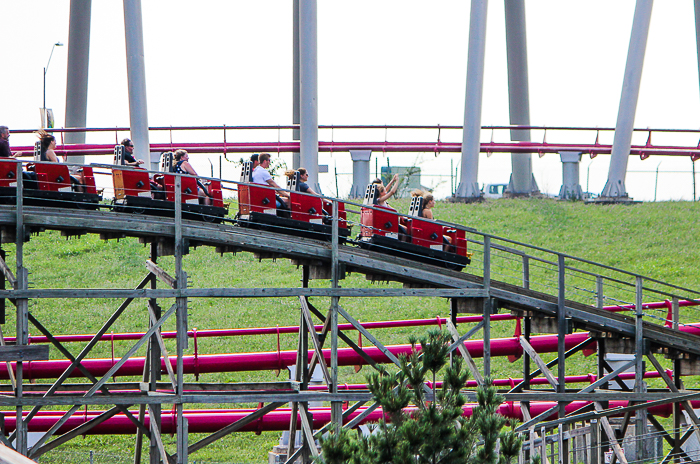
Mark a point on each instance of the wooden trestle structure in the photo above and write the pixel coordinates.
(559, 310)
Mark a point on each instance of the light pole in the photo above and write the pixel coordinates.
(57, 44)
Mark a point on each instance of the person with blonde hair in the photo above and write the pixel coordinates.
(303, 177)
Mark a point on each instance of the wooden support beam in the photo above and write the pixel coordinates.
(345, 338)
(307, 429)
(9, 275)
(24, 353)
(314, 340)
(695, 421)
(166, 278)
(368, 336)
(465, 354)
(617, 449)
(155, 433)
(10, 456)
(541, 364)
(163, 349)
(234, 427)
(76, 432)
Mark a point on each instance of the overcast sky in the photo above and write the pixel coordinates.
(380, 62)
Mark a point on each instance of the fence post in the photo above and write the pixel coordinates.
(640, 416)
(487, 307)
(595, 445)
(526, 272)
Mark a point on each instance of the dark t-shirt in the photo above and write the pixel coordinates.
(303, 187)
(5, 149)
(128, 157)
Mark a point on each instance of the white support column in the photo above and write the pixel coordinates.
(570, 187)
(615, 186)
(522, 181)
(136, 75)
(296, 161)
(360, 172)
(308, 76)
(468, 187)
(77, 78)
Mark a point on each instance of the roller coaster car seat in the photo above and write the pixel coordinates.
(376, 221)
(188, 187)
(342, 215)
(8, 172)
(254, 198)
(53, 177)
(167, 163)
(89, 176)
(37, 151)
(306, 208)
(217, 197)
(119, 155)
(131, 182)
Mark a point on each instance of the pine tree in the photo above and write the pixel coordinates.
(417, 430)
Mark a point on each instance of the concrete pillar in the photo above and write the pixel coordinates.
(570, 188)
(136, 76)
(77, 77)
(468, 188)
(308, 77)
(522, 182)
(615, 186)
(296, 157)
(360, 172)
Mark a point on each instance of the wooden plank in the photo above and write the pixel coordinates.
(619, 453)
(9, 275)
(233, 427)
(76, 432)
(541, 364)
(307, 429)
(155, 433)
(465, 353)
(369, 336)
(166, 278)
(93, 293)
(686, 404)
(315, 341)
(163, 349)
(24, 353)
(10, 456)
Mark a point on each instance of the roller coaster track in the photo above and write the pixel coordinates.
(550, 289)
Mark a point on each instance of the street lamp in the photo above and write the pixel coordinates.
(57, 44)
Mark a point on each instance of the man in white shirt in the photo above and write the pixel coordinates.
(262, 176)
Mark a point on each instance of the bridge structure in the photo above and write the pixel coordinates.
(549, 292)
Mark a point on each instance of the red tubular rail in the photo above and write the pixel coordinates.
(209, 421)
(402, 147)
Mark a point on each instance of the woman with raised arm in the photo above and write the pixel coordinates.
(386, 192)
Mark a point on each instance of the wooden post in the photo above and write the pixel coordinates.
(22, 320)
(526, 271)
(336, 406)
(595, 453)
(154, 361)
(640, 415)
(181, 324)
(561, 350)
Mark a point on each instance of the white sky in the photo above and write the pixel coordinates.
(380, 62)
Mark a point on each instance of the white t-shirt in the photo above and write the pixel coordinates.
(261, 176)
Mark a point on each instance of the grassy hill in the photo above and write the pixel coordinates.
(654, 239)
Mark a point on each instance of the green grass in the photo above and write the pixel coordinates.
(654, 239)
